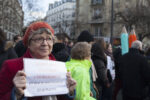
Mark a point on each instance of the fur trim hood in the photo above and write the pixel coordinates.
(5, 46)
(9, 44)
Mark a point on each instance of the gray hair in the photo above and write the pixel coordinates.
(81, 50)
(39, 31)
(137, 44)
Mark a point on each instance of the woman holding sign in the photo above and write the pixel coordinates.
(38, 39)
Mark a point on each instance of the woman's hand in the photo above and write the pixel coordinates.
(19, 83)
(71, 83)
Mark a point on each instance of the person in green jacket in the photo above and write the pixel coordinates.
(79, 66)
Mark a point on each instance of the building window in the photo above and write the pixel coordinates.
(96, 1)
(60, 16)
(63, 1)
(97, 31)
(96, 13)
(63, 15)
(68, 0)
(73, 14)
(0, 10)
(74, 6)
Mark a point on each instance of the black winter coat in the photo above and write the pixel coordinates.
(117, 54)
(101, 69)
(60, 51)
(134, 73)
(20, 48)
(6, 52)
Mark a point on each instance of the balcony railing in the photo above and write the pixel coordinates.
(95, 2)
(97, 17)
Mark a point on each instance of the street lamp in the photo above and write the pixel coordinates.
(112, 22)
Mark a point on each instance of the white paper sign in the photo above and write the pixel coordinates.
(45, 77)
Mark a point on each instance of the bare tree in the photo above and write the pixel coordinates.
(62, 26)
(137, 16)
(65, 25)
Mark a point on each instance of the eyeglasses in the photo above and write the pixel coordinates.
(41, 40)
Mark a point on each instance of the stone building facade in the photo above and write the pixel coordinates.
(83, 15)
(95, 16)
(61, 16)
(11, 17)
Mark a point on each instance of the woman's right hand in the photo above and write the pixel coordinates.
(20, 83)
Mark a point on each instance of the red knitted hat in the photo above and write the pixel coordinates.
(35, 26)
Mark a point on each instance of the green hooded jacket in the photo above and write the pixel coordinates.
(80, 72)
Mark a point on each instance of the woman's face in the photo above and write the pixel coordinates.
(41, 45)
(110, 48)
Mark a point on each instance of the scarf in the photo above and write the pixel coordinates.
(94, 74)
(109, 54)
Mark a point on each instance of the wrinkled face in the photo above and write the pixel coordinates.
(41, 45)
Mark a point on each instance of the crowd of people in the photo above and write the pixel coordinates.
(97, 71)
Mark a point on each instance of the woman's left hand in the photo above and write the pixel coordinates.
(71, 83)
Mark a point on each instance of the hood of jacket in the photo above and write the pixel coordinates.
(78, 63)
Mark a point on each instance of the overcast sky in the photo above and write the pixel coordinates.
(39, 9)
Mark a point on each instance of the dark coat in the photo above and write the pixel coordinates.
(117, 55)
(101, 69)
(134, 74)
(9, 70)
(20, 48)
(148, 58)
(60, 51)
(6, 52)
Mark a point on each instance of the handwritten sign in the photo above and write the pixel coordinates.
(45, 77)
